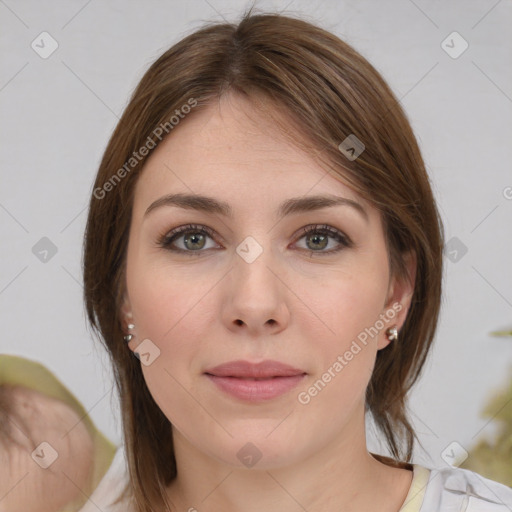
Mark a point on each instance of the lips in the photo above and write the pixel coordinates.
(260, 371)
(252, 382)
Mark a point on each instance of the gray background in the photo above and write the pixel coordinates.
(58, 113)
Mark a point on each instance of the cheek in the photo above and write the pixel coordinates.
(345, 346)
(164, 300)
(167, 309)
(346, 355)
(346, 305)
(171, 392)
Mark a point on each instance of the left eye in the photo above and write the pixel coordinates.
(317, 237)
(194, 239)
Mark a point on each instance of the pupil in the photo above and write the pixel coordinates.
(316, 237)
(194, 240)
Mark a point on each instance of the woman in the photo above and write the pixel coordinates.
(263, 236)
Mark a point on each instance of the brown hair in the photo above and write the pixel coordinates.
(330, 92)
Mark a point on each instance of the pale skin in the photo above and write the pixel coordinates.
(296, 303)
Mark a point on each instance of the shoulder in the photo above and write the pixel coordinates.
(110, 495)
(461, 489)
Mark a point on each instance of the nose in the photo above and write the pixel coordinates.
(256, 297)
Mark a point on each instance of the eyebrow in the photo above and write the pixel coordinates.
(290, 206)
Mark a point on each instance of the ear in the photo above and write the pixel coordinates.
(399, 297)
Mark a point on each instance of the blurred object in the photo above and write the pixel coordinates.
(48, 443)
(493, 458)
(502, 333)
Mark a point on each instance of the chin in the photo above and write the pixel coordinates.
(258, 450)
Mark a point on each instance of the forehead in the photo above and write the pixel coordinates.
(233, 150)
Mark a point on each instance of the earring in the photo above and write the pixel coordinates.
(392, 334)
(129, 337)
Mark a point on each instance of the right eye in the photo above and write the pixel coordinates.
(193, 239)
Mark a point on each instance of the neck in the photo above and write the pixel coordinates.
(341, 476)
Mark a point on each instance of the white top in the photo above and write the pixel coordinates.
(432, 490)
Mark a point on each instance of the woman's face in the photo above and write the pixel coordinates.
(255, 287)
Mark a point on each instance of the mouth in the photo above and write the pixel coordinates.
(252, 382)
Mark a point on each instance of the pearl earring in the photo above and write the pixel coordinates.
(129, 337)
(392, 333)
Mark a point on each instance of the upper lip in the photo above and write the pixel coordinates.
(246, 369)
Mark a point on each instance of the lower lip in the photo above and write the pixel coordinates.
(256, 390)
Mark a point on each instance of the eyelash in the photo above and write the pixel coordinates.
(168, 238)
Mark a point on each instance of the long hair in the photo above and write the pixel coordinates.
(331, 92)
